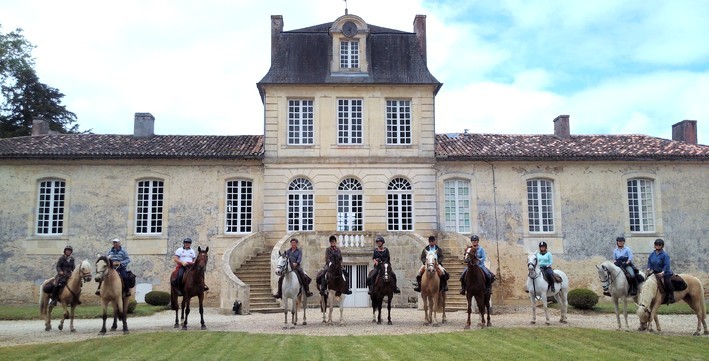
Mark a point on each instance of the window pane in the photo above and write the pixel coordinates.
(149, 207)
(50, 207)
(540, 206)
(398, 113)
(239, 203)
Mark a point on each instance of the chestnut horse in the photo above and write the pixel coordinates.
(651, 298)
(68, 296)
(111, 292)
(434, 299)
(475, 287)
(335, 286)
(384, 286)
(193, 281)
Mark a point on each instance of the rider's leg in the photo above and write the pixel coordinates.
(669, 289)
(124, 275)
(632, 280)
(279, 293)
(462, 281)
(55, 293)
(370, 280)
(488, 280)
(393, 277)
(550, 278)
(98, 289)
(418, 279)
(177, 283)
(305, 281)
(444, 278)
(345, 277)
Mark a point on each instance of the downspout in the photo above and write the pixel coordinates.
(497, 240)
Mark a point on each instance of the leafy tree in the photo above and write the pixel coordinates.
(24, 97)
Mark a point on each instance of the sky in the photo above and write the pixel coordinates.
(507, 66)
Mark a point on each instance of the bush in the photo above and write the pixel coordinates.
(131, 306)
(583, 298)
(157, 298)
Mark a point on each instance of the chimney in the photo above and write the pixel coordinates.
(144, 125)
(276, 30)
(40, 126)
(561, 127)
(420, 31)
(685, 131)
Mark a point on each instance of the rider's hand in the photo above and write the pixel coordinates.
(376, 262)
(116, 264)
(61, 273)
(295, 265)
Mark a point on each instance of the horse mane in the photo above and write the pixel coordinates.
(103, 258)
(648, 292)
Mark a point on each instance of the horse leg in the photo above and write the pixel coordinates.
(71, 318)
(186, 308)
(293, 313)
(480, 300)
(489, 308)
(305, 309)
(173, 305)
(285, 312)
(124, 315)
(201, 312)
(425, 310)
(341, 305)
(104, 304)
(115, 315)
(65, 315)
(442, 300)
(389, 309)
(330, 306)
(532, 298)
(323, 307)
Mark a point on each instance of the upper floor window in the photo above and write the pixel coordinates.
(400, 205)
(457, 205)
(50, 206)
(349, 121)
(300, 205)
(398, 113)
(349, 54)
(540, 205)
(149, 207)
(349, 205)
(239, 206)
(641, 210)
(300, 122)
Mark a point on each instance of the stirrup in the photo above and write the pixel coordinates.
(348, 292)
(98, 293)
(397, 290)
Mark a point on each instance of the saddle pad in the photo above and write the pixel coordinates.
(49, 287)
(678, 283)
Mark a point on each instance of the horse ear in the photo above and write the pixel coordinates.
(199, 248)
(207, 249)
(598, 267)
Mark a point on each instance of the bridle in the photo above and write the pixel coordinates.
(431, 261)
(532, 269)
(283, 267)
(609, 279)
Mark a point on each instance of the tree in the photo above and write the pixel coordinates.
(24, 97)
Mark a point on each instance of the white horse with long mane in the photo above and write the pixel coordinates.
(537, 287)
(613, 281)
(291, 290)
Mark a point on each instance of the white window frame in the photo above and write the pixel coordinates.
(641, 205)
(398, 122)
(300, 122)
(350, 128)
(540, 205)
(457, 210)
(51, 203)
(349, 54)
(300, 207)
(239, 203)
(400, 205)
(149, 206)
(350, 206)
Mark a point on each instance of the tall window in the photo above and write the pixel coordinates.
(349, 54)
(300, 122)
(457, 205)
(300, 205)
(398, 113)
(349, 205)
(349, 121)
(50, 206)
(149, 207)
(239, 206)
(540, 205)
(400, 206)
(641, 210)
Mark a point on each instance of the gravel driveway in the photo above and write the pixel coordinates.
(358, 321)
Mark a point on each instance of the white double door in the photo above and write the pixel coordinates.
(358, 284)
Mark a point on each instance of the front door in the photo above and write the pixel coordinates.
(358, 285)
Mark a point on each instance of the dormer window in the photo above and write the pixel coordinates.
(349, 54)
(349, 41)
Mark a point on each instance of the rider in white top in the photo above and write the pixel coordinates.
(184, 256)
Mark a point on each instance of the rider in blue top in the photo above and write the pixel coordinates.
(481, 256)
(659, 262)
(120, 260)
(623, 258)
(295, 257)
(544, 259)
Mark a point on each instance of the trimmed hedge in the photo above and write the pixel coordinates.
(132, 305)
(157, 298)
(583, 298)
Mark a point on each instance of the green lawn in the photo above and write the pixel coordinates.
(31, 311)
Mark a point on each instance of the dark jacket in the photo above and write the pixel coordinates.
(329, 252)
(381, 256)
(294, 256)
(65, 264)
(439, 253)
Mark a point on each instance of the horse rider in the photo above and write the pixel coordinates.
(481, 256)
(623, 258)
(659, 262)
(64, 267)
(333, 250)
(380, 256)
(184, 257)
(545, 260)
(295, 257)
(432, 246)
(120, 260)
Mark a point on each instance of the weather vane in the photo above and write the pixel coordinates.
(345, 7)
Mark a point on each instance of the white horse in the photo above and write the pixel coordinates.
(537, 287)
(291, 289)
(613, 281)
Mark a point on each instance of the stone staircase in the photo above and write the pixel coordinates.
(256, 272)
(454, 300)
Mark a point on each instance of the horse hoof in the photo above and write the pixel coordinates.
(72, 330)
(489, 324)
(467, 327)
(292, 327)
(184, 328)
(706, 332)
(176, 326)
(564, 321)
(547, 323)
(285, 327)
(436, 325)
(304, 323)
(533, 323)
(60, 327)
(389, 323)
(47, 329)
(203, 327)
(125, 332)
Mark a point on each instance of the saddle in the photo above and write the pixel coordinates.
(677, 283)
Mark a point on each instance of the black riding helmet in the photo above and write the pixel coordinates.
(660, 242)
(379, 239)
(620, 239)
(187, 240)
(474, 238)
(69, 248)
(542, 244)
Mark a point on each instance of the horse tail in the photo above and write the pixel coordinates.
(43, 299)
(700, 299)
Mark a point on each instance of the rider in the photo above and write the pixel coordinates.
(65, 265)
(380, 255)
(623, 258)
(659, 262)
(184, 257)
(432, 246)
(295, 256)
(333, 250)
(120, 260)
(481, 256)
(545, 260)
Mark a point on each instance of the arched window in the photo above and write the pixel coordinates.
(300, 205)
(400, 205)
(349, 205)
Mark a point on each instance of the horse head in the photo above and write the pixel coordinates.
(85, 270)
(334, 266)
(385, 268)
(202, 257)
(431, 261)
(103, 264)
(470, 256)
(532, 265)
(281, 264)
(647, 295)
(604, 274)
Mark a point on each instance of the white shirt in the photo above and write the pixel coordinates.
(186, 255)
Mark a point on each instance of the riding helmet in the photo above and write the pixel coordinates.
(379, 239)
(69, 248)
(620, 239)
(187, 240)
(474, 238)
(660, 242)
(542, 244)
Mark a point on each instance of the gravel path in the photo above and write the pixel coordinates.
(358, 321)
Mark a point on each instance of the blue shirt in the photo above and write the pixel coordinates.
(659, 262)
(622, 254)
(119, 255)
(294, 256)
(544, 259)
(481, 256)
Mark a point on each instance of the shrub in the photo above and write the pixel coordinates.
(583, 298)
(157, 298)
(131, 306)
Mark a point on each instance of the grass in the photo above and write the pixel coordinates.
(679, 308)
(85, 311)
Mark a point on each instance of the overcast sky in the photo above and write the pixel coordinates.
(617, 67)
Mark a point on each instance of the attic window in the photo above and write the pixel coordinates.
(349, 54)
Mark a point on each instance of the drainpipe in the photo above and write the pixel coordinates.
(497, 239)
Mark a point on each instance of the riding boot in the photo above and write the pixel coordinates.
(279, 294)
(344, 277)
(371, 286)
(633, 287)
(444, 283)
(55, 296)
(305, 281)
(98, 289)
(669, 289)
(418, 284)
(462, 282)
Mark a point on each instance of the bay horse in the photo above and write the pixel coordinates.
(475, 287)
(193, 285)
(434, 299)
(537, 287)
(384, 286)
(111, 291)
(335, 286)
(651, 298)
(291, 290)
(68, 297)
(613, 281)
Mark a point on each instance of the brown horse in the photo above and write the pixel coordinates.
(434, 299)
(335, 287)
(68, 296)
(384, 286)
(193, 281)
(111, 292)
(651, 298)
(475, 287)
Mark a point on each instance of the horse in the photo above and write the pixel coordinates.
(193, 285)
(613, 281)
(335, 285)
(291, 289)
(68, 297)
(383, 287)
(475, 287)
(434, 299)
(111, 292)
(537, 287)
(651, 298)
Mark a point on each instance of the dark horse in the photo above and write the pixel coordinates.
(475, 286)
(335, 286)
(193, 281)
(384, 286)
